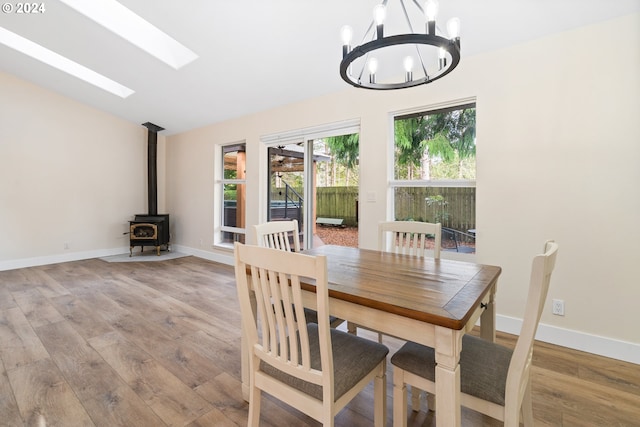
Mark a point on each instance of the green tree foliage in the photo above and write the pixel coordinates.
(343, 167)
(410, 141)
(345, 149)
(447, 137)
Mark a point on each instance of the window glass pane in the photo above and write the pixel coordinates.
(439, 145)
(230, 165)
(229, 237)
(431, 148)
(286, 183)
(233, 210)
(453, 207)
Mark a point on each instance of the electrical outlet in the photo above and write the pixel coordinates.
(558, 307)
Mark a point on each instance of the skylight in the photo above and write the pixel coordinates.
(123, 22)
(62, 63)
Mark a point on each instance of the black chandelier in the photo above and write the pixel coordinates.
(437, 55)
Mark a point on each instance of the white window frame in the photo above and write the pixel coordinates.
(394, 183)
(220, 182)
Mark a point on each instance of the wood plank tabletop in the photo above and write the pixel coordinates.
(438, 291)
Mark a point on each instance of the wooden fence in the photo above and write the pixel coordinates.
(338, 202)
(454, 207)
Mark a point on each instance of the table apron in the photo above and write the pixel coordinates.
(389, 323)
(378, 320)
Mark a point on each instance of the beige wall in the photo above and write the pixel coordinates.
(70, 175)
(558, 157)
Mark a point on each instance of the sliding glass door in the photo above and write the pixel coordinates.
(313, 178)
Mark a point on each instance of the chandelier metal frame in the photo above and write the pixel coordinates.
(349, 55)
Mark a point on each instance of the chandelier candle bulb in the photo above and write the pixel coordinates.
(408, 63)
(453, 28)
(346, 33)
(430, 12)
(442, 58)
(408, 68)
(373, 67)
(379, 14)
(431, 9)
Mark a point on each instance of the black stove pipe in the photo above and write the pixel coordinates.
(152, 166)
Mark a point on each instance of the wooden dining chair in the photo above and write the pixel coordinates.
(312, 367)
(283, 235)
(410, 237)
(279, 235)
(406, 237)
(494, 379)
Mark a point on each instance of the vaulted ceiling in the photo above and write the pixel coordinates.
(253, 54)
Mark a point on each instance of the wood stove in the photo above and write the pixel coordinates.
(151, 229)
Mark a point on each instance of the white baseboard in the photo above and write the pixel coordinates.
(223, 259)
(99, 253)
(65, 257)
(603, 346)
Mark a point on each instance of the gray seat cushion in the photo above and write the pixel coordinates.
(483, 366)
(353, 358)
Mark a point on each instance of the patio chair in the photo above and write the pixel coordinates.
(312, 367)
(451, 240)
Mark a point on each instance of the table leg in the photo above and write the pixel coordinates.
(448, 346)
(488, 318)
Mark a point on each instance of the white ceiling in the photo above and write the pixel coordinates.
(254, 54)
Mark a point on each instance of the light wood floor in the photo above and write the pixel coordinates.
(158, 343)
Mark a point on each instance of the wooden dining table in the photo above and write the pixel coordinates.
(428, 301)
